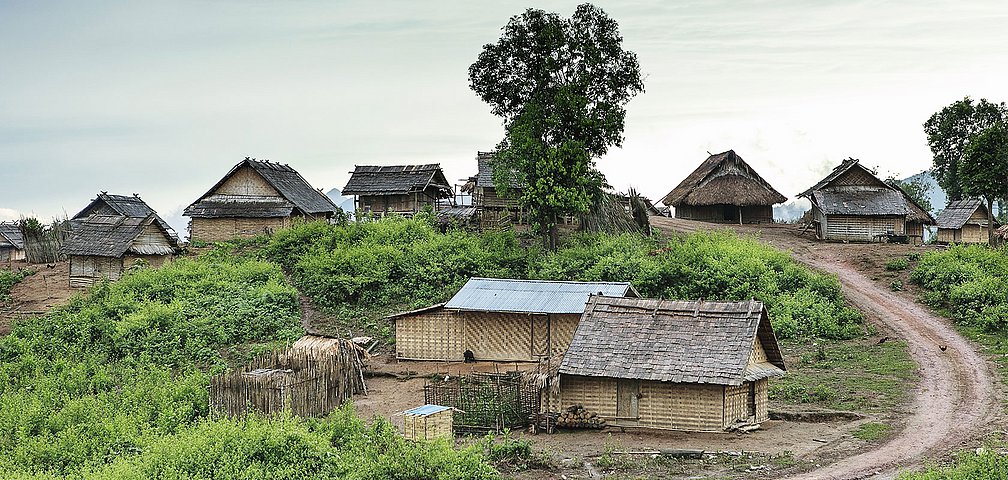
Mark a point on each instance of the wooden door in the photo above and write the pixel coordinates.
(540, 336)
(627, 402)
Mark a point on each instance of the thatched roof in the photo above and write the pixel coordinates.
(917, 212)
(114, 235)
(883, 201)
(10, 236)
(958, 212)
(845, 166)
(295, 194)
(724, 179)
(397, 180)
(672, 341)
(124, 205)
(531, 296)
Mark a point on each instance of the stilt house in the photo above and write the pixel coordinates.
(494, 210)
(500, 320)
(104, 245)
(696, 366)
(401, 189)
(964, 221)
(724, 188)
(852, 204)
(256, 197)
(11, 243)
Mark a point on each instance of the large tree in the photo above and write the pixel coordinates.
(949, 132)
(561, 85)
(984, 169)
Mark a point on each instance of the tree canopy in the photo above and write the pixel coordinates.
(984, 169)
(949, 132)
(561, 86)
(917, 189)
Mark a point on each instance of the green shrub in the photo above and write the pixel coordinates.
(9, 278)
(898, 263)
(968, 283)
(983, 464)
(896, 285)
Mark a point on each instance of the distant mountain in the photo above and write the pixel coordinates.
(346, 203)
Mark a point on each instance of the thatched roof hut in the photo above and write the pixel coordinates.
(667, 364)
(103, 245)
(402, 189)
(131, 206)
(724, 188)
(255, 197)
(964, 221)
(12, 247)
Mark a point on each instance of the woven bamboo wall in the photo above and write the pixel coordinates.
(716, 213)
(856, 177)
(682, 406)
(861, 228)
(762, 401)
(562, 327)
(222, 229)
(85, 270)
(973, 234)
(499, 336)
(948, 235)
(736, 404)
(428, 427)
(433, 335)
(915, 232)
(596, 394)
(246, 181)
(758, 353)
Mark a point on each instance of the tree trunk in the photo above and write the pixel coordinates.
(990, 221)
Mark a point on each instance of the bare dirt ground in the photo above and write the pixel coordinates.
(37, 293)
(956, 399)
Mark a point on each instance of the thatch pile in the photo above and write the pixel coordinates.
(613, 214)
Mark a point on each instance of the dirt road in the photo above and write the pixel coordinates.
(956, 398)
(37, 293)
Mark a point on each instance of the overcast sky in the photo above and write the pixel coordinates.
(162, 99)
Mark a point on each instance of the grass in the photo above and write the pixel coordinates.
(871, 431)
(9, 278)
(852, 375)
(986, 463)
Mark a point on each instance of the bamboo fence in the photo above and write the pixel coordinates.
(485, 401)
(44, 244)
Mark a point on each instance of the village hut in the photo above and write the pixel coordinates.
(12, 247)
(724, 188)
(104, 245)
(964, 221)
(675, 365)
(106, 204)
(917, 219)
(494, 210)
(852, 204)
(256, 197)
(401, 189)
(499, 320)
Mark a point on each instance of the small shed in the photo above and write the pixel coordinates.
(427, 422)
(500, 320)
(401, 189)
(725, 189)
(104, 245)
(12, 247)
(255, 197)
(674, 365)
(853, 204)
(964, 221)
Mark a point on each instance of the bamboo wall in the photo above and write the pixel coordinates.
(85, 270)
(499, 336)
(562, 327)
(736, 404)
(860, 228)
(11, 254)
(404, 204)
(428, 427)
(718, 214)
(596, 394)
(222, 229)
(432, 335)
(915, 232)
(246, 181)
(967, 234)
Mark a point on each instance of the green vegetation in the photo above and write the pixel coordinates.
(871, 431)
(982, 464)
(969, 284)
(9, 278)
(896, 285)
(898, 263)
(851, 376)
(407, 263)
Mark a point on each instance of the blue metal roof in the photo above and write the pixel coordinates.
(532, 296)
(426, 410)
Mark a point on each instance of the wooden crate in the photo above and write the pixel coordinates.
(427, 422)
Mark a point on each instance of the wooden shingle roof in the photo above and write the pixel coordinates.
(294, 190)
(125, 205)
(882, 201)
(113, 236)
(397, 180)
(724, 178)
(10, 236)
(958, 212)
(672, 341)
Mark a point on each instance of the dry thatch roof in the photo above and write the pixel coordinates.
(882, 201)
(124, 205)
(397, 180)
(958, 212)
(114, 235)
(295, 193)
(672, 341)
(724, 179)
(10, 236)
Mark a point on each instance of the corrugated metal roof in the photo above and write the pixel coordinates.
(532, 296)
(426, 410)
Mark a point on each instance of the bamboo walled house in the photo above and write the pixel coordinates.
(255, 197)
(500, 320)
(493, 208)
(852, 204)
(12, 248)
(697, 366)
(402, 189)
(964, 221)
(105, 245)
(724, 188)
(917, 220)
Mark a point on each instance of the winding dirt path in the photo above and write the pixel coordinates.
(956, 398)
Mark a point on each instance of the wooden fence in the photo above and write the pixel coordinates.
(308, 383)
(486, 401)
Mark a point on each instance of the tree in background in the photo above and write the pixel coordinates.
(561, 86)
(917, 189)
(984, 169)
(949, 132)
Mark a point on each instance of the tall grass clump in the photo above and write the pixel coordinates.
(969, 284)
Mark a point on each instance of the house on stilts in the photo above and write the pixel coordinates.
(493, 208)
(724, 189)
(255, 197)
(672, 365)
(399, 189)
